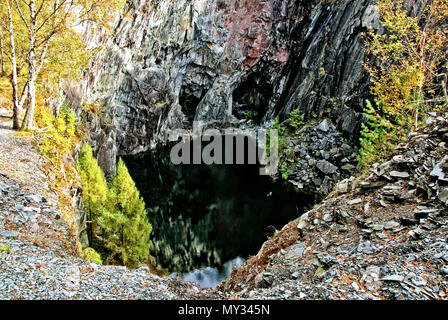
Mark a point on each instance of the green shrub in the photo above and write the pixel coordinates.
(285, 171)
(89, 254)
(94, 186)
(56, 139)
(378, 137)
(119, 227)
(404, 77)
(297, 120)
(281, 137)
(124, 220)
(5, 248)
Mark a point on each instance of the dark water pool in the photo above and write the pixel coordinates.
(203, 216)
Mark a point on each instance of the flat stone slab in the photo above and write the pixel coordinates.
(326, 167)
(397, 174)
(354, 201)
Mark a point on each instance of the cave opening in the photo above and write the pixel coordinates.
(251, 97)
(189, 99)
(206, 215)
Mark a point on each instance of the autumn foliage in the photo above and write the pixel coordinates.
(405, 67)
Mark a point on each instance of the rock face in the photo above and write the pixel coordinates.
(225, 62)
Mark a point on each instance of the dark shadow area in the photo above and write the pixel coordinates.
(189, 99)
(206, 215)
(251, 97)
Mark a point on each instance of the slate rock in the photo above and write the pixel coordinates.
(323, 126)
(401, 175)
(9, 234)
(34, 198)
(346, 150)
(295, 251)
(366, 248)
(443, 196)
(438, 170)
(393, 278)
(326, 167)
(391, 225)
(354, 201)
(444, 270)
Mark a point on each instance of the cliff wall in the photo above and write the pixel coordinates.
(228, 62)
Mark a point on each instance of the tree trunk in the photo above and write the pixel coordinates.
(90, 229)
(28, 122)
(15, 101)
(445, 92)
(2, 56)
(23, 96)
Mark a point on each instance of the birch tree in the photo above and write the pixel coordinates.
(13, 68)
(46, 23)
(2, 53)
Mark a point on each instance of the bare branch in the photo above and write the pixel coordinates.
(22, 16)
(56, 8)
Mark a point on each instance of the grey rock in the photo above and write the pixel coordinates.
(438, 171)
(371, 184)
(444, 270)
(34, 198)
(383, 168)
(301, 225)
(323, 126)
(399, 159)
(348, 167)
(391, 225)
(383, 204)
(295, 251)
(263, 280)
(9, 234)
(354, 201)
(418, 281)
(346, 150)
(326, 167)
(393, 278)
(325, 154)
(326, 186)
(366, 248)
(416, 234)
(401, 175)
(423, 212)
(342, 187)
(194, 60)
(443, 196)
(72, 278)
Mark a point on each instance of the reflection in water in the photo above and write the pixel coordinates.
(205, 215)
(211, 277)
